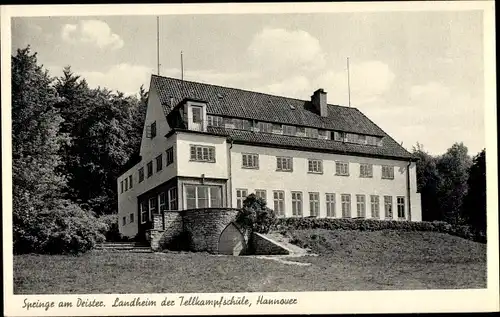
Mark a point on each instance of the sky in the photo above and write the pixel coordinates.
(417, 75)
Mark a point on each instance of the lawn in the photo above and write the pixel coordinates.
(347, 260)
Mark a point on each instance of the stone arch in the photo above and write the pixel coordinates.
(231, 241)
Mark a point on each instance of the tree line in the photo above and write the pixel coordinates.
(70, 142)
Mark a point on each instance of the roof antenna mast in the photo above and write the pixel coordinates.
(182, 68)
(348, 83)
(158, 44)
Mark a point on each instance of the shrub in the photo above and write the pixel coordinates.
(60, 228)
(255, 215)
(285, 224)
(111, 231)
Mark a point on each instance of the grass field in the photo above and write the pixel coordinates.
(347, 260)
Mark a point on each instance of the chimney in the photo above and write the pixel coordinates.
(318, 99)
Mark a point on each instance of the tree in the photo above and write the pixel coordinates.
(105, 129)
(453, 166)
(255, 215)
(36, 140)
(474, 208)
(42, 220)
(428, 180)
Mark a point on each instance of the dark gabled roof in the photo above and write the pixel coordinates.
(240, 103)
(232, 102)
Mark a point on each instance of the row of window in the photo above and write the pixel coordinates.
(159, 164)
(291, 130)
(330, 201)
(285, 164)
(157, 204)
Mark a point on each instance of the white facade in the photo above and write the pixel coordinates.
(225, 170)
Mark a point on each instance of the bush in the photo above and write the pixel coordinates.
(111, 231)
(255, 215)
(60, 228)
(285, 224)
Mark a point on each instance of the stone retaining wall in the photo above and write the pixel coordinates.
(262, 245)
(204, 227)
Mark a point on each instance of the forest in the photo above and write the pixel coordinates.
(70, 142)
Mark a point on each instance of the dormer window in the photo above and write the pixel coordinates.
(196, 114)
(197, 120)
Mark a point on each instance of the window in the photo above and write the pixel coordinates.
(371, 140)
(150, 169)
(314, 204)
(279, 202)
(330, 204)
(315, 166)
(339, 136)
(241, 124)
(361, 205)
(361, 139)
(365, 170)
(261, 193)
(159, 163)
(132, 217)
(342, 168)
(241, 194)
(153, 203)
(172, 198)
(144, 211)
(284, 164)
(141, 174)
(126, 183)
(301, 131)
(130, 184)
(346, 205)
(124, 221)
(250, 160)
(351, 137)
(323, 134)
(296, 204)
(265, 127)
(277, 128)
(202, 153)
(196, 111)
(162, 202)
(170, 156)
(401, 207)
(375, 206)
(151, 130)
(215, 121)
(215, 196)
(388, 207)
(202, 196)
(387, 172)
(121, 186)
(311, 133)
(289, 130)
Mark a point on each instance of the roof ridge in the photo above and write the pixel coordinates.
(246, 90)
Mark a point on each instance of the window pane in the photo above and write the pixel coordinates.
(215, 197)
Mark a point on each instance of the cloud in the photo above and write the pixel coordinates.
(124, 77)
(278, 49)
(230, 79)
(370, 80)
(93, 32)
(435, 115)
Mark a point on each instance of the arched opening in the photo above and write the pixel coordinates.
(231, 241)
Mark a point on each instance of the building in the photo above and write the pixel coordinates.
(211, 146)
